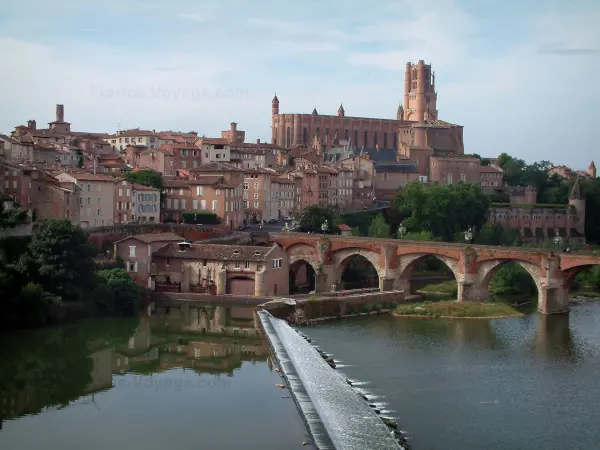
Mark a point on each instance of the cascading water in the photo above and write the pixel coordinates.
(337, 417)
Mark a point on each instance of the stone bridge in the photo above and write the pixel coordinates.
(473, 265)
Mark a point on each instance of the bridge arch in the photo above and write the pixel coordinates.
(572, 272)
(342, 258)
(489, 268)
(408, 262)
(302, 275)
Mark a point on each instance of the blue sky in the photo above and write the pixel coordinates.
(520, 76)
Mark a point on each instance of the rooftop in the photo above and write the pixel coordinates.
(218, 252)
(149, 238)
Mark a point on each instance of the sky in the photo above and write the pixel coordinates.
(521, 77)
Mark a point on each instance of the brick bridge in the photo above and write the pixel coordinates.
(473, 265)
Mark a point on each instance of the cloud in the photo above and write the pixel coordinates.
(506, 80)
(194, 17)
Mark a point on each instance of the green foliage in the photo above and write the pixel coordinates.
(355, 231)
(11, 217)
(313, 217)
(425, 235)
(59, 258)
(378, 228)
(201, 217)
(360, 219)
(495, 234)
(118, 294)
(511, 279)
(442, 209)
(147, 177)
(588, 278)
(80, 158)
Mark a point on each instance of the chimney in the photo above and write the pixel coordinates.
(31, 124)
(60, 113)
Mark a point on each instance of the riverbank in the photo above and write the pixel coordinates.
(453, 309)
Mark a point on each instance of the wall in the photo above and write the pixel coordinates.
(460, 168)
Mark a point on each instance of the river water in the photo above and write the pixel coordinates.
(521, 383)
(117, 383)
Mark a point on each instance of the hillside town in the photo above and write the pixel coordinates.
(349, 162)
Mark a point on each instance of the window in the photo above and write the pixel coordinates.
(385, 176)
(247, 263)
(463, 177)
(195, 205)
(120, 192)
(277, 263)
(97, 212)
(365, 140)
(132, 267)
(203, 205)
(215, 205)
(246, 186)
(132, 251)
(180, 191)
(183, 204)
(256, 204)
(199, 190)
(236, 265)
(256, 195)
(217, 192)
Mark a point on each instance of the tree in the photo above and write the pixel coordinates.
(59, 258)
(119, 293)
(496, 234)
(147, 177)
(378, 228)
(11, 217)
(80, 158)
(315, 215)
(442, 210)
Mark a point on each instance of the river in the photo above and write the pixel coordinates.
(522, 383)
(118, 383)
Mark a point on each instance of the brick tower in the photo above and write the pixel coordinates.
(420, 98)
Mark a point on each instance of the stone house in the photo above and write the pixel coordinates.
(221, 269)
(137, 253)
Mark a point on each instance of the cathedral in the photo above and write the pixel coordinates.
(415, 134)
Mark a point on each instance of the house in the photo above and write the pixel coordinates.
(137, 253)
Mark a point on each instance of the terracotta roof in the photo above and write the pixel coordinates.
(183, 146)
(344, 227)
(176, 183)
(216, 167)
(206, 180)
(218, 252)
(215, 141)
(154, 237)
(91, 177)
(141, 187)
(282, 180)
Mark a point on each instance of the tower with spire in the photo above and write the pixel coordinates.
(341, 111)
(400, 112)
(275, 105)
(592, 170)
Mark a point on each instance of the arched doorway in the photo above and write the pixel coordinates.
(240, 285)
(301, 277)
(357, 272)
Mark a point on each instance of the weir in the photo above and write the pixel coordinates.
(337, 417)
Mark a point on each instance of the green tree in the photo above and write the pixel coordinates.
(11, 217)
(314, 216)
(147, 177)
(60, 259)
(118, 293)
(80, 158)
(378, 228)
(420, 236)
(495, 234)
(442, 210)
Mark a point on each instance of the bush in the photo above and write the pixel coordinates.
(201, 217)
(368, 308)
(117, 293)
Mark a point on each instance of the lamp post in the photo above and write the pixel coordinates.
(558, 240)
(401, 230)
(469, 235)
(324, 227)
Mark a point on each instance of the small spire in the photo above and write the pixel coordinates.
(314, 113)
(576, 191)
(275, 99)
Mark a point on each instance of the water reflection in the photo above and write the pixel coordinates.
(51, 368)
(554, 338)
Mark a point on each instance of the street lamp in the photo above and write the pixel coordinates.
(324, 227)
(469, 235)
(558, 240)
(401, 230)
